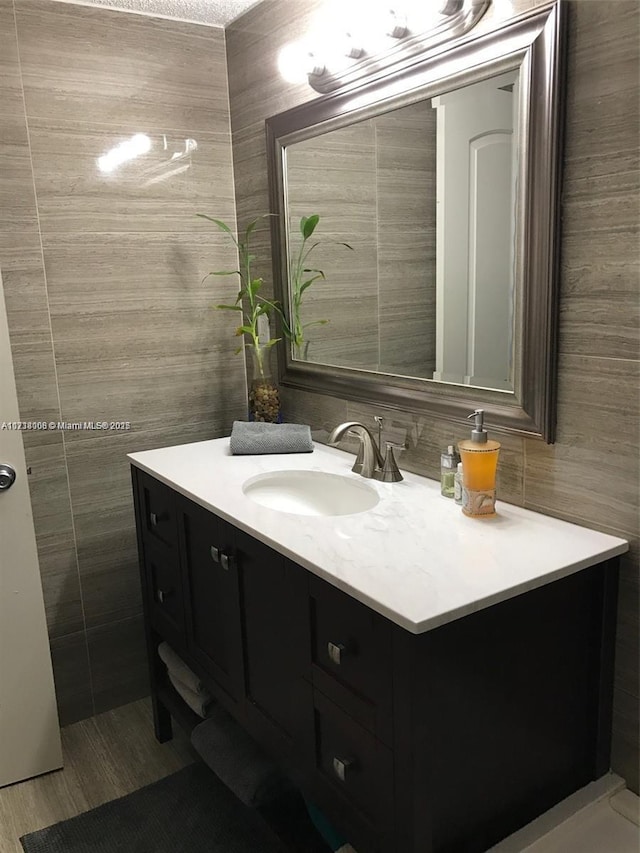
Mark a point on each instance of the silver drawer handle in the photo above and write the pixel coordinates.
(340, 767)
(161, 594)
(153, 518)
(336, 652)
(227, 561)
(215, 554)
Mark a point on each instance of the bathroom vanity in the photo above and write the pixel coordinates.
(432, 682)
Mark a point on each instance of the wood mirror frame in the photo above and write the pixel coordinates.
(534, 44)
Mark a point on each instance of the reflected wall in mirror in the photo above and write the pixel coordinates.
(425, 195)
(444, 178)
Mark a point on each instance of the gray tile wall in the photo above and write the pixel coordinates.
(108, 316)
(590, 475)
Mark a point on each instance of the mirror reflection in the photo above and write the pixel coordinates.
(426, 197)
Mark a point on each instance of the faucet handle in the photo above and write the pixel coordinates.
(390, 472)
(358, 465)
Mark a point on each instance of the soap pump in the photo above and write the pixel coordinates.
(479, 465)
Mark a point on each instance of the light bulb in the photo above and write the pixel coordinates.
(296, 61)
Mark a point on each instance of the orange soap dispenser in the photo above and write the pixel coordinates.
(479, 465)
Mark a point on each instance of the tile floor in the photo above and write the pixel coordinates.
(115, 753)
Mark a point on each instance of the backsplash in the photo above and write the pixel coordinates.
(114, 132)
(590, 475)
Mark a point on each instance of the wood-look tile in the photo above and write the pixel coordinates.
(125, 336)
(49, 491)
(156, 391)
(118, 661)
(591, 473)
(25, 293)
(11, 102)
(599, 310)
(407, 300)
(582, 485)
(70, 661)
(126, 69)
(115, 752)
(597, 402)
(109, 574)
(153, 192)
(321, 413)
(602, 58)
(104, 758)
(17, 200)
(627, 666)
(624, 745)
(34, 371)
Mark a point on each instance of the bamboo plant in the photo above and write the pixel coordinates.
(264, 399)
(302, 276)
(249, 301)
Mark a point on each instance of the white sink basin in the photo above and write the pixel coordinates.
(310, 493)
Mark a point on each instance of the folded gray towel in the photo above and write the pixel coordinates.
(237, 759)
(178, 668)
(198, 702)
(255, 437)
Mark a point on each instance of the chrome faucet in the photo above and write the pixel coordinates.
(369, 462)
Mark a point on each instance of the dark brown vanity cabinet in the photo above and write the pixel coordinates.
(212, 596)
(442, 742)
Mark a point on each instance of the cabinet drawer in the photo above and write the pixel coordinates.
(164, 592)
(158, 512)
(351, 657)
(357, 767)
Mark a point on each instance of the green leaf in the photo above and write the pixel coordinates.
(244, 330)
(308, 283)
(315, 323)
(346, 245)
(228, 307)
(320, 273)
(224, 272)
(271, 342)
(254, 286)
(308, 225)
(239, 349)
(218, 222)
(252, 225)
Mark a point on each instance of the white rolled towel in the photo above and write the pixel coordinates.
(198, 702)
(178, 668)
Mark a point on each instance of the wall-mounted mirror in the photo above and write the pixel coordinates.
(442, 179)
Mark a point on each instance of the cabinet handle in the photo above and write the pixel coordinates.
(161, 594)
(227, 561)
(336, 652)
(153, 518)
(340, 767)
(215, 554)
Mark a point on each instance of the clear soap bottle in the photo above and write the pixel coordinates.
(448, 464)
(479, 466)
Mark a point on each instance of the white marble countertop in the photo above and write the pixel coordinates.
(414, 558)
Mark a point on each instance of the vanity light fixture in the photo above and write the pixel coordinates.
(296, 61)
(376, 40)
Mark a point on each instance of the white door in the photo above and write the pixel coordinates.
(29, 731)
(475, 233)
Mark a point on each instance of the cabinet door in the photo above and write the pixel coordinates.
(214, 636)
(164, 594)
(274, 600)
